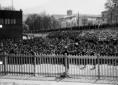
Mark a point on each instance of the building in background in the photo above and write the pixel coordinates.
(71, 20)
(105, 17)
(90, 20)
(10, 23)
(110, 15)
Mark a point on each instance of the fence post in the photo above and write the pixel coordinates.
(98, 60)
(5, 63)
(66, 65)
(35, 65)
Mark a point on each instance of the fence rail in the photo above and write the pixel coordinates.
(98, 67)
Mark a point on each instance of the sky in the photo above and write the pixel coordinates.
(57, 6)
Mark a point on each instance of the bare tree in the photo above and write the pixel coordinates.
(111, 4)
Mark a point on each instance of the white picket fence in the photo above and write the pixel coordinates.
(98, 67)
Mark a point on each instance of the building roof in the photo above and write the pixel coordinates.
(57, 16)
(74, 15)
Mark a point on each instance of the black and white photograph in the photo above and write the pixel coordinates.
(58, 42)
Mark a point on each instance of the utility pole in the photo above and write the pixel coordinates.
(78, 17)
(0, 7)
(12, 4)
(111, 16)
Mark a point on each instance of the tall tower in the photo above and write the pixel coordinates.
(12, 3)
(0, 7)
(69, 12)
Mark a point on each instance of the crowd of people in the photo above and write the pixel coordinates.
(74, 43)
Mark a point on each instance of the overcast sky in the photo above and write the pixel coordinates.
(57, 6)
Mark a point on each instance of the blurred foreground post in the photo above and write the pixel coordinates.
(34, 65)
(98, 61)
(5, 63)
(66, 64)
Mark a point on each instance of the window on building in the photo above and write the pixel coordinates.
(5, 21)
(14, 21)
(8, 21)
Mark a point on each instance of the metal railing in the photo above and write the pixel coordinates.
(99, 67)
